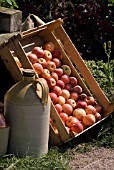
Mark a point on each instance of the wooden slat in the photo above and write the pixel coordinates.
(79, 62)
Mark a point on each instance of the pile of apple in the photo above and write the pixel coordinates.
(76, 109)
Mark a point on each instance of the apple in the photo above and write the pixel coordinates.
(97, 116)
(57, 54)
(77, 89)
(68, 109)
(66, 69)
(81, 104)
(98, 108)
(58, 107)
(32, 57)
(82, 96)
(59, 71)
(51, 82)
(51, 66)
(65, 93)
(38, 68)
(71, 102)
(60, 83)
(53, 97)
(38, 51)
(90, 100)
(61, 100)
(47, 55)
(73, 81)
(90, 109)
(57, 90)
(71, 121)
(65, 78)
(54, 75)
(74, 96)
(18, 62)
(63, 116)
(79, 113)
(68, 87)
(57, 62)
(89, 119)
(49, 46)
(77, 127)
(42, 61)
(46, 73)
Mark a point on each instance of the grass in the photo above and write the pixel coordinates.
(58, 158)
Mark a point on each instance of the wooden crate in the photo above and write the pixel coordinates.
(53, 31)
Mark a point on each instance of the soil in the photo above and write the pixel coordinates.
(96, 159)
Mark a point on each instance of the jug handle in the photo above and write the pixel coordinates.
(45, 90)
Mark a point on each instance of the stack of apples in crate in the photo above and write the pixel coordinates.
(76, 109)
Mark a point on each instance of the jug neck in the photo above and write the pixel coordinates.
(28, 75)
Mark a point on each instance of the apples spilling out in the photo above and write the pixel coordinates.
(76, 109)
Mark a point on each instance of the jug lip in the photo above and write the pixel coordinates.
(28, 72)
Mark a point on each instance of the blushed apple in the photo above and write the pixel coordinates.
(57, 54)
(65, 93)
(77, 127)
(38, 51)
(59, 71)
(79, 113)
(74, 96)
(66, 69)
(57, 62)
(90, 100)
(90, 109)
(53, 97)
(68, 87)
(82, 96)
(51, 66)
(32, 57)
(38, 68)
(81, 104)
(65, 78)
(89, 119)
(61, 100)
(46, 73)
(47, 55)
(60, 83)
(71, 102)
(42, 61)
(77, 89)
(51, 82)
(97, 116)
(57, 90)
(71, 121)
(98, 108)
(73, 81)
(63, 116)
(67, 108)
(54, 75)
(49, 46)
(58, 107)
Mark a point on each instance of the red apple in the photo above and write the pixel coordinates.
(90, 100)
(32, 57)
(51, 82)
(71, 102)
(74, 96)
(47, 55)
(89, 119)
(60, 83)
(38, 68)
(65, 78)
(58, 107)
(82, 96)
(57, 62)
(77, 127)
(71, 121)
(46, 73)
(73, 81)
(57, 54)
(77, 89)
(61, 100)
(51, 66)
(90, 109)
(38, 51)
(63, 116)
(79, 113)
(49, 46)
(59, 71)
(65, 93)
(98, 108)
(42, 61)
(97, 116)
(81, 104)
(53, 97)
(57, 90)
(68, 87)
(68, 109)
(66, 69)
(54, 75)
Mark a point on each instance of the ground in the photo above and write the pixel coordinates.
(96, 159)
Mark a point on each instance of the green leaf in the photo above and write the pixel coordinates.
(9, 2)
